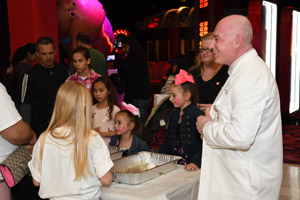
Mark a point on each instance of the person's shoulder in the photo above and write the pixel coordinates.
(94, 74)
(114, 140)
(37, 66)
(73, 77)
(224, 69)
(174, 111)
(194, 70)
(95, 51)
(96, 140)
(139, 140)
(143, 145)
(116, 108)
(35, 70)
(193, 109)
(60, 66)
(94, 107)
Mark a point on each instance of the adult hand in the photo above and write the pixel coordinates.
(191, 167)
(201, 121)
(203, 106)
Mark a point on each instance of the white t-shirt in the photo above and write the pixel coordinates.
(101, 119)
(8, 117)
(58, 173)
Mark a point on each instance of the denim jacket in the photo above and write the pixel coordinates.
(189, 136)
(137, 144)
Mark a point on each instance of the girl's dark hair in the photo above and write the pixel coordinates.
(83, 50)
(192, 88)
(21, 53)
(111, 93)
(30, 47)
(137, 130)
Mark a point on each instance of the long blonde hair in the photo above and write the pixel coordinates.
(73, 108)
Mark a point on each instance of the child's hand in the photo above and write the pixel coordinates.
(98, 130)
(191, 167)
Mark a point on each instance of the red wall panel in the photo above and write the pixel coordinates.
(30, 20)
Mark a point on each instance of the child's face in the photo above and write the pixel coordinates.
(121, 124)
(81, 64)
(178, 97)
(100, 92)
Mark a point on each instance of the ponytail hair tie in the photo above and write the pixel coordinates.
(183, 77)
(131, 108)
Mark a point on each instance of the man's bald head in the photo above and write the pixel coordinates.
(239, 25)
(232, 38)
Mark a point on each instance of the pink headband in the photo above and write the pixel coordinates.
(183, 77)
(131, 108)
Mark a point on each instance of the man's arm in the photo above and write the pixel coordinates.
(19, 133)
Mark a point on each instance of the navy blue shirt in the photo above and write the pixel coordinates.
(188, 134)
(137, 145)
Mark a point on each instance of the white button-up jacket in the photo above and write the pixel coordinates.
(242, 147)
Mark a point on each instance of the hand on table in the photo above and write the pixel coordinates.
(191, 167)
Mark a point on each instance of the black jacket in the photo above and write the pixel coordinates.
(189, 136)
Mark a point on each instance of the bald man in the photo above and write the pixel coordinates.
(242, 135)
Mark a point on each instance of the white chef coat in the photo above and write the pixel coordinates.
(242, 147)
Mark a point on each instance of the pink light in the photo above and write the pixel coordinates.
(108, 41)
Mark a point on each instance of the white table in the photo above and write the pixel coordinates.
(175, 185)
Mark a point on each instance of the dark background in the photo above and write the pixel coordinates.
(126, 13)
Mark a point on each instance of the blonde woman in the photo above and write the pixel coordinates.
(70, 160)
(209, 75)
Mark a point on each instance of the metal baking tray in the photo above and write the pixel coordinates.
(134, 169)
(115, 152)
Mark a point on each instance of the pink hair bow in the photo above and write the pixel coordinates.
(131, 108)
(183, 77)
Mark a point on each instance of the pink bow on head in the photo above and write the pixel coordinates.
(131, 108)
(183, 77)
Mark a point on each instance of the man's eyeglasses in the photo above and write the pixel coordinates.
(207, 50)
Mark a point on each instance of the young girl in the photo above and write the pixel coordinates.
(84, 74)
(128, 128)
(105, 110)
(182, 136)
(70, 160)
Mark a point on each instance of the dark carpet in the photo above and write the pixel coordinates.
(291, 144)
